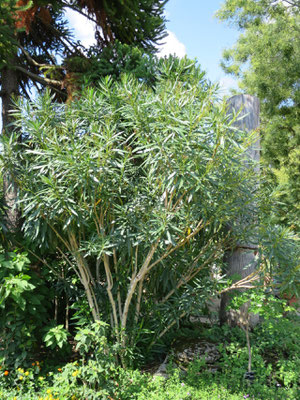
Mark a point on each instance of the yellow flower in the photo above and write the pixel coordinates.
(26, 373)
(41, 378)
(15, 398)
(75, 373)
(21, 377)
(49, 391)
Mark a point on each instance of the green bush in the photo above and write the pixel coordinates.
(129, 183)
(24, 307)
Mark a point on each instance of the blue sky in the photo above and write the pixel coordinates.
(204, 37)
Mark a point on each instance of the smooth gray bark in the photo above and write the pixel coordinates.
(241, 260)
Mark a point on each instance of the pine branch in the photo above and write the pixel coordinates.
(61, 38)
(37, 78)
(35, 63)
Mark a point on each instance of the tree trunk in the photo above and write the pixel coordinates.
(244, 253)
(9, 80)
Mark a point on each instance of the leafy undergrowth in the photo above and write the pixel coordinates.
(276, 361)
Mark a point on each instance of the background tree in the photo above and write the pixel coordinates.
(35, 35)
(266, 61)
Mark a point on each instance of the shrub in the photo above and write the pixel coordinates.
(133, 184)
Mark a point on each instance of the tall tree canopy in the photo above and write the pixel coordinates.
(266, 59)
(34, 34)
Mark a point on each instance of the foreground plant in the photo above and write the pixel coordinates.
(134, 188)
(24, 307)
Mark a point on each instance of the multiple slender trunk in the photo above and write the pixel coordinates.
(237, 259)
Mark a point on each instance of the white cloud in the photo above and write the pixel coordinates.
(84, 29)
(171, 45)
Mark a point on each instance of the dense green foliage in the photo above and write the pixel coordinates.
(24, 40)
(126, 196)
(266, 60)
(6, 36)
(25, 303)
(131, 185)
(38, 50)
(113, 60)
